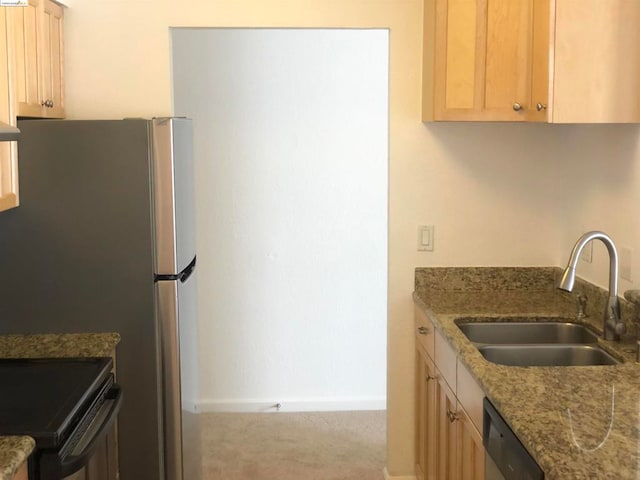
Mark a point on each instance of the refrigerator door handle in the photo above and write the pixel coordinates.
(183, 276)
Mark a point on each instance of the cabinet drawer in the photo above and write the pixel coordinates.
(424, 331)
(470, 395)
(445, 360)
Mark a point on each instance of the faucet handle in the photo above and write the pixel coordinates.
(616, 322)
(620, 327)
(581, 300)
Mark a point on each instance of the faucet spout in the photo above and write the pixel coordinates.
(613, 325)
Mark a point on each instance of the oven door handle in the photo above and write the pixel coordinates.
(109, 410)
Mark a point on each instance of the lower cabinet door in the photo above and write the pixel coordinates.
(427, 431)
(431, 428)
(470, 452)
(447, 418)
(448, 443)
(421, 417)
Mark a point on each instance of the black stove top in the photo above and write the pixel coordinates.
(42, 397)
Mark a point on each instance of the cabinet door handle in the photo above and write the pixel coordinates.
(541, 106)
(452, 416)
(428, 378)
(517, 107)
(423, 330)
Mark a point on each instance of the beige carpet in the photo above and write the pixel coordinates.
(293, 446)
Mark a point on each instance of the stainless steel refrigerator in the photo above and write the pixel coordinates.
(104, 241)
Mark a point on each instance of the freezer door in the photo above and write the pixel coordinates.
(177, 318)
(173, 192)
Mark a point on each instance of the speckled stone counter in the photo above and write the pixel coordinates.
(577, 422)
(58, 345)
(15, 450)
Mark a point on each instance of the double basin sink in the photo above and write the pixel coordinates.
(535, 343)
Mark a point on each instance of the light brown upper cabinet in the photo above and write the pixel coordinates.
(556, 61)
(38, 47)
(8, 150)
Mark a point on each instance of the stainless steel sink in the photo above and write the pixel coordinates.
(535, 343)
(546, 355)
(527, 333)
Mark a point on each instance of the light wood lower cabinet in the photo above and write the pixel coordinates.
(22, 473)
(449, 421)
(447, 415)
(470, 453)
(427, 431)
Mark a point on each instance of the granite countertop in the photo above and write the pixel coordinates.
(64, 345)
(577, 422)
(15, 450)
(13, 453)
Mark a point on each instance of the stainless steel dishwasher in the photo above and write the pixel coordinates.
(506, 457)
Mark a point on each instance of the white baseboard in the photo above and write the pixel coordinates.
(395, 477)
(190, 406)
(293, 405)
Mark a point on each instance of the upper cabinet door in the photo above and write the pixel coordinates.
(596, 67)
(508, 26)
(38, 46)
(8, 150)
(538, 110)
(560, 61)
(478, 59)
(52, 79)
(26, 38)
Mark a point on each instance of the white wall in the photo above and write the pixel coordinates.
(291, 148)
(601, 191)
(463, 178)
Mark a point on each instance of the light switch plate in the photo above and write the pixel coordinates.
(425, 238)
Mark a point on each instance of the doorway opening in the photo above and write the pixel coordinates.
(291, 154)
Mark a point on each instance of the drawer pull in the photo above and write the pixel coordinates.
(423, 330)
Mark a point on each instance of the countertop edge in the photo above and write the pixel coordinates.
(14, 451)
(64, 345)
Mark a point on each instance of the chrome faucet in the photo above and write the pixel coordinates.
(613, 325)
